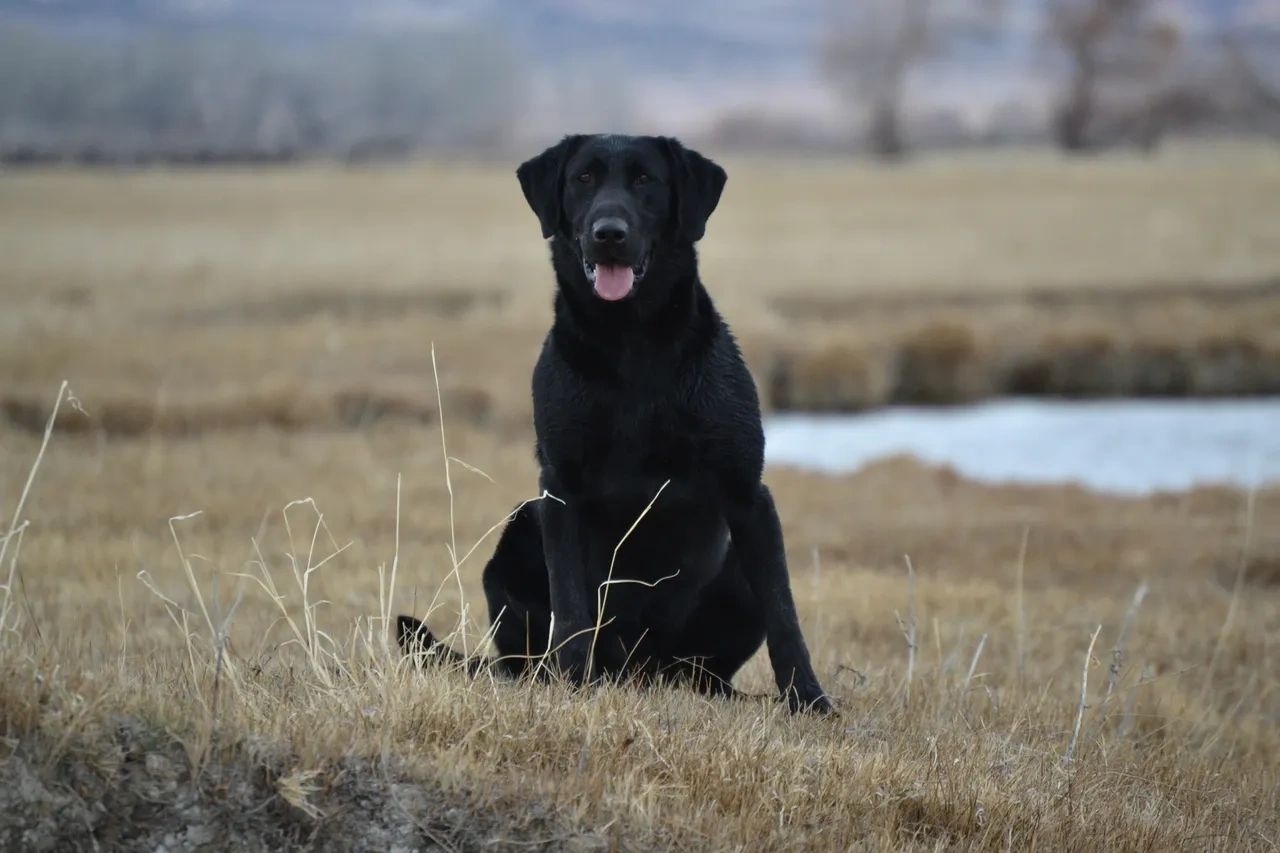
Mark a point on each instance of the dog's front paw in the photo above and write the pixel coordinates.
(572, 664)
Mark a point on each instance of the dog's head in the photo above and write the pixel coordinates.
(620, 203)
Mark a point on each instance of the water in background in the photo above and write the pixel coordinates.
(1129, 446)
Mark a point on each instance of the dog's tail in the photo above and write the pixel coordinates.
(417, 641)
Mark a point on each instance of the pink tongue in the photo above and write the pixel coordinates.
(613, 283)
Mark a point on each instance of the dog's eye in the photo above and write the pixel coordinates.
(584, 178)
(642, 178)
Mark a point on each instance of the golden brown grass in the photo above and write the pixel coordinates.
(305, 727)
(241, 343)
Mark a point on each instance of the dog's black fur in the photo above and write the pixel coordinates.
(630, 394)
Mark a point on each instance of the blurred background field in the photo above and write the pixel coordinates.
(946, 280)
(240, 233)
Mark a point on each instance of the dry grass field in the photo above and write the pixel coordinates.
(250, 478)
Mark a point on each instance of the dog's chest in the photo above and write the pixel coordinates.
(615, 435)
(637, 442)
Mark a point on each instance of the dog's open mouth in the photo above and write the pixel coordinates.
(613, 282)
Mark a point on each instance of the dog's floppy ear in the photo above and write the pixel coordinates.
(697, 183)
(542, 180)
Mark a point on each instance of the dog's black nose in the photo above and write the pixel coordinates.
(609, 230)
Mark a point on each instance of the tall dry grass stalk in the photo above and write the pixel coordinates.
(1117, 651)
(17, 526)
(1237, 587)
(602, 591)
(1084, 697)
(1020, 627)
(908, 628)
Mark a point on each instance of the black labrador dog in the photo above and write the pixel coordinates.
(659, 554)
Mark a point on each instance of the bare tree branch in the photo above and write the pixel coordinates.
(872, 46)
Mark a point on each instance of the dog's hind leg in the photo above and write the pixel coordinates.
(725, 630)
(519, 601)
(519, 595)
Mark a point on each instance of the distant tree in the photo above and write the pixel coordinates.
(1251, 44)
(871, 46)
(196, 96)
(1116, 53)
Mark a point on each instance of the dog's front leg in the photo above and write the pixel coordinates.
(566, 549)
(757, 540)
